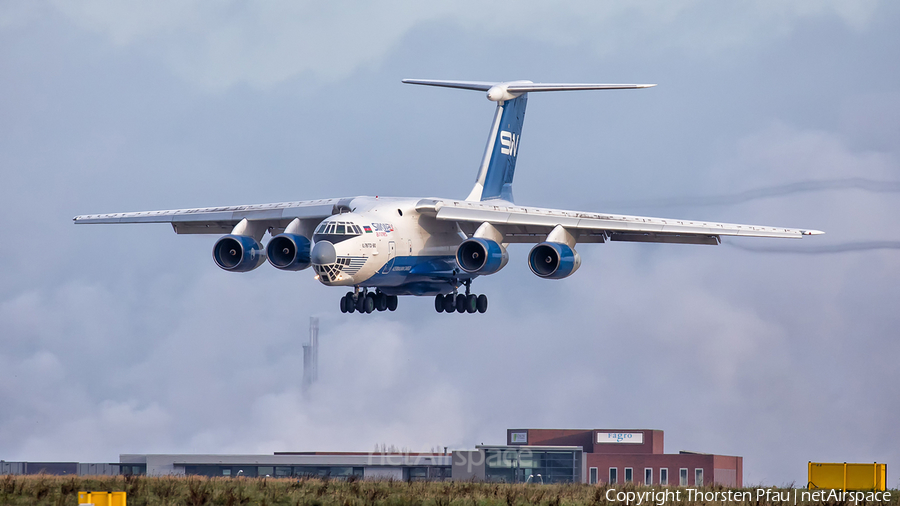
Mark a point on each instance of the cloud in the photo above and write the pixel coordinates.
(821, 249)
(728, 351)
(216, 45)
(221, 44)
(782, 190)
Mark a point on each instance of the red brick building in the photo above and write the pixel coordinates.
(635, 455)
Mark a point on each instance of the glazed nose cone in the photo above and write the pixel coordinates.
(323, 253)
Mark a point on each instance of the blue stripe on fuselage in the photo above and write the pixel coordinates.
(418, 275)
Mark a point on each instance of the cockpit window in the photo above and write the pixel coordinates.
(342, 228)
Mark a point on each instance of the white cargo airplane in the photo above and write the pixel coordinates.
(384, 247)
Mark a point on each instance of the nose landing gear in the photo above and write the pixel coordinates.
(367, 302)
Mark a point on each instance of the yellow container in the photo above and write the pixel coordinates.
(102, 498)
(846, 476)
(117, 499)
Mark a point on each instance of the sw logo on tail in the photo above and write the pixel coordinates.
(510, 142)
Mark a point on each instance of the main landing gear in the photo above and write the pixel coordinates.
(461, 303)
(367, 302)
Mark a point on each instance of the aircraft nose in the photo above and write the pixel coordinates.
(323, 253)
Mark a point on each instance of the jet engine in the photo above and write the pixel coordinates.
(238, 253)
(288, 252)
(553, 260)
(481, 256)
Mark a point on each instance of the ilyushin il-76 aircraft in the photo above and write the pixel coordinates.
(384, 247)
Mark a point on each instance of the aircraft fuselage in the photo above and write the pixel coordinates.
(386, 243)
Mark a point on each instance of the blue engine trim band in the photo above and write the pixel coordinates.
(552, 260)
(238, 253)
(480, 256)
(289, 252)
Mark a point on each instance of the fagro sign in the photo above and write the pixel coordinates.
(620, 437)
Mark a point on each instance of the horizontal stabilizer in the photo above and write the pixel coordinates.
(463, 85)
(509, 90)
(528, 88)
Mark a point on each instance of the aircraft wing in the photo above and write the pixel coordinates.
(531, 224)
(221, 220)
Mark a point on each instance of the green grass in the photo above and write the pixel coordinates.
(197, 491)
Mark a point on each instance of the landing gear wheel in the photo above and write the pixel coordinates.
(471, 303)
(381, 301)
(344, 304)
(439, 303)
(360, 303)
(460, 303)
(369, 304)
(349, 303)
(392, 302)
(449, 303)
(481, 304)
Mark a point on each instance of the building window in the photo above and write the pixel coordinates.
(416, 473)
(139, 469)
(435, 473)
(648, 476)
(682, 477)
(613, 475)
(514, 465)
(698, 476)
(593, 475)
(663, 476)
(629, 475)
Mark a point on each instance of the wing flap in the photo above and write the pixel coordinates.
(664, 238)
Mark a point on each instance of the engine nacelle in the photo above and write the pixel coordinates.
(553, 260)
(481, 256)
(288, 252)
(238, 253)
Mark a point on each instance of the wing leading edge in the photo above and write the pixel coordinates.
(532, 224)
(221, 220)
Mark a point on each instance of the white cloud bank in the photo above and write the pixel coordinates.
(216, 45)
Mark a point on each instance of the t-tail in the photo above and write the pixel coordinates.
(498, 165)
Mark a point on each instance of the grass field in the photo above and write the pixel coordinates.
(197, 491)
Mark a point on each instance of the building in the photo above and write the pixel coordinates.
(397, 466)
(621, 456)
(59, 468)
(529, 456)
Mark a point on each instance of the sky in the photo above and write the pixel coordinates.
(128, 339)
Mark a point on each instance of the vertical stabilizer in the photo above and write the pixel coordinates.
(498, 166)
